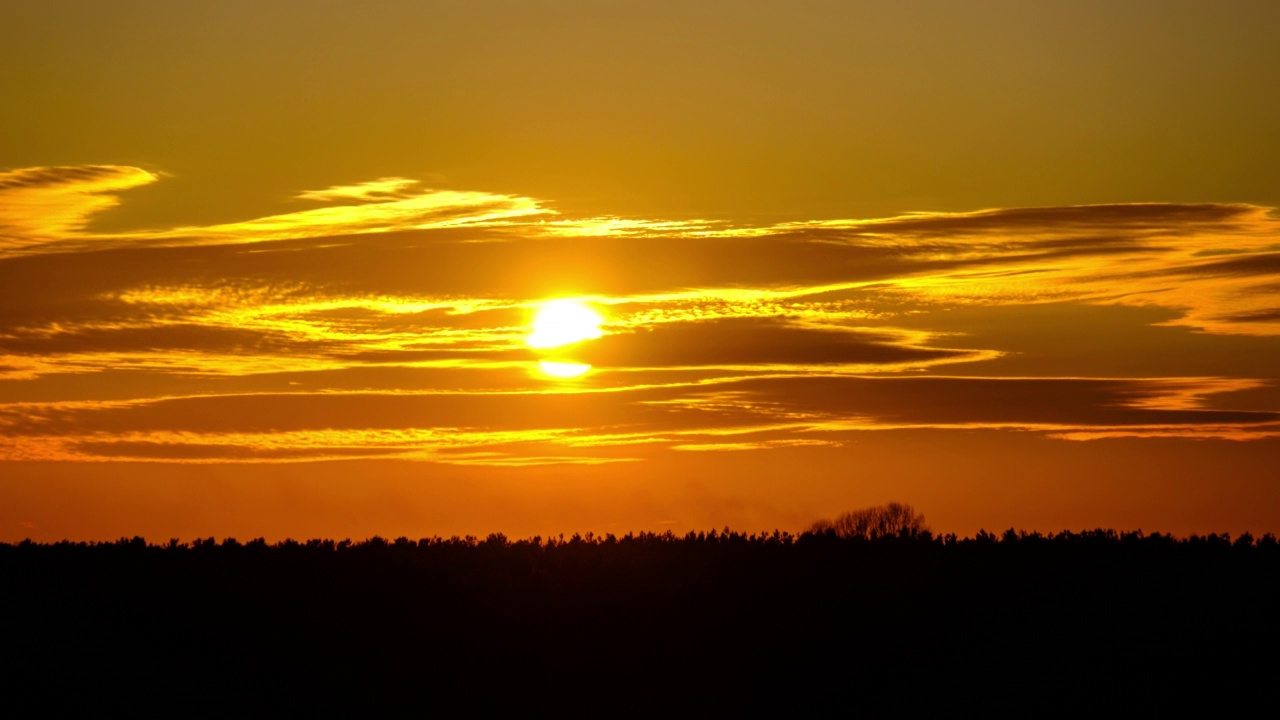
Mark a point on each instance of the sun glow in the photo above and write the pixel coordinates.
(563, 369)
(563, 322)
(559, 323)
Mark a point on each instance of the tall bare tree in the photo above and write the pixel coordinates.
(892, 520)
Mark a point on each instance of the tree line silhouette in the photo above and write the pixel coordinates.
(714, 621)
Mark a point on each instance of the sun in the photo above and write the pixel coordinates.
(563, 322)
(563, 370)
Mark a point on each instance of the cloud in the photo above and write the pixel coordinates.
(158, 337)
(761, 412)
(42, 205)
(755, 341)
(390, 322)
(1211, 262)
(399, 211)
(380, 190)
(1269, 315)
(46, 209)
(1154, 219)
(1264, 263)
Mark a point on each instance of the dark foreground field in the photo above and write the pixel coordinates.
(715, 623)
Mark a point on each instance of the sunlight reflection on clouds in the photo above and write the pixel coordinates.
(395, 321)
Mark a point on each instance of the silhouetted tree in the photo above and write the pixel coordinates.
(873, 523)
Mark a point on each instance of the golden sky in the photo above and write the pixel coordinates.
(337, 269)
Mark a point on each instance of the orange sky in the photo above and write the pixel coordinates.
(273, 270)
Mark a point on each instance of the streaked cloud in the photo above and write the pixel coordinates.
(380, 190)
(391, 322)
(42, 205)
(377, 211)
(46, 210)
(761, 412)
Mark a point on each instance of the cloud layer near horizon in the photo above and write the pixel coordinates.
(389, 321)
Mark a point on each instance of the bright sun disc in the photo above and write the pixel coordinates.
(562, 322)
(563, 369)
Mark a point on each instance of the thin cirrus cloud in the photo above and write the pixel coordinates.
(45, 205)
(46, 209)
(390, 322)
(587, 424)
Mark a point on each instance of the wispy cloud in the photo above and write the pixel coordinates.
(758, 412)
(42, 205)
(46, 210)
(387, 189)
(390, 322)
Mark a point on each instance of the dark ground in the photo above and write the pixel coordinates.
(716, 624)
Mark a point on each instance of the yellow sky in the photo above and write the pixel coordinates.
(273, 269)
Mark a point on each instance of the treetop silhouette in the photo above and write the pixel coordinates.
(874, 523)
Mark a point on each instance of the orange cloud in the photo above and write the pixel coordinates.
(392, 322)
(43, 205)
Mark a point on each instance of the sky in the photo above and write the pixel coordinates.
(337, 269)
